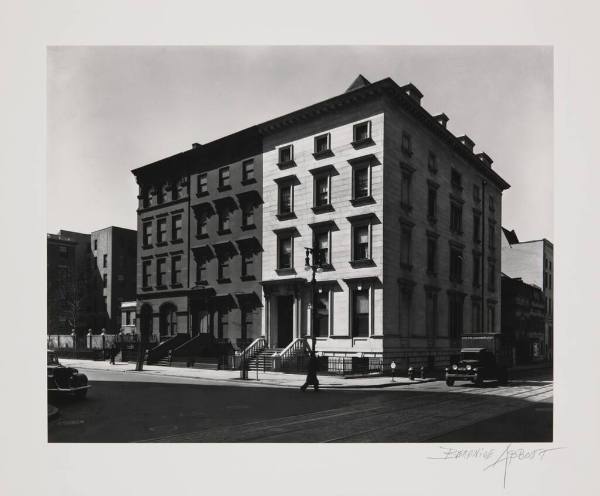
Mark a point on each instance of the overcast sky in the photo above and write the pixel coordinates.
(112, 109)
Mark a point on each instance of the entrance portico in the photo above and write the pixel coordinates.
(283, 310)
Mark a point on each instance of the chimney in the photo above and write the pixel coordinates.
(413, 92)
(442, 119)
(466, 141)
(196, 145)
(485, 159)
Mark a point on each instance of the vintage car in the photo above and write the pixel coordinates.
(63, 379)
(476, 365)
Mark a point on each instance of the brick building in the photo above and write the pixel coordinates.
(405, 216)
(533, 262)
(199, 243)
(114, 275)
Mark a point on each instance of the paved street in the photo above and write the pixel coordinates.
(133, 407)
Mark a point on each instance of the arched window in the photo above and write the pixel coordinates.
(168, 320)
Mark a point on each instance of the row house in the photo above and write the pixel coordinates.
(403, 216)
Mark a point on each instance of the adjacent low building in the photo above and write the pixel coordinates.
(404, 217)
(533, 262)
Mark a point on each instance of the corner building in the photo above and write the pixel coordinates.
(405, 215)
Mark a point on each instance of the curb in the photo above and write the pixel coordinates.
(52, 412)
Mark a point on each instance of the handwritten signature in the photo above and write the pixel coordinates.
(498, 458)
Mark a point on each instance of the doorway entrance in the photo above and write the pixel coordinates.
(285, 320)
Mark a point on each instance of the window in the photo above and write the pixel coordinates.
(431, 255)
(405, 247)
(476, 270)
(406, 146)
(247, 323)
(361, 183)
(476, 324)
(322, 144)
(161, 272)
(223, 274)
(432, 203)
(105, 260)
(405, 191)
(161, 235)
(476, 193)
(200, 271)
(491, 276)
(202, 225)
(361, 249)
(492, 204)
(248, 171)
(175, 190)
(455, 315)
(146, 273)
(222, 323)
(360, 312)
(321, 242)
(224, 222)
(549, 281)
(286, 155)
(456, 259)
(322, 311)
(177, 228)
(286, 202)
(145, 197)
(492, 235)
(431, 313)
(491, 320)
(104, 280)
(160, 194)
(147, 234)
(247, 265)
(224, 178)
(321, 186)
(247, 216)
(476, 228)
(362, 132)
(176, 270)
(285, 252)
(405, 311)
(456, 179)
(432, 162)
(456, 218)
(95, 244)
(545, 280)
(202, 183)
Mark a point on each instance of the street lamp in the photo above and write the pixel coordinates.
(313, 265)
(74, 336)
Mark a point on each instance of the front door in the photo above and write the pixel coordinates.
(285, 320)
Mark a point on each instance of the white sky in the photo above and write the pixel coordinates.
(112, 109)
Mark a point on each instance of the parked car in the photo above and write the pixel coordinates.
(476, 365)
(63, 379)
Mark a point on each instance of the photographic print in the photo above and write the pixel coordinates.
(307, 244)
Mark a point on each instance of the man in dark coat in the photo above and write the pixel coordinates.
(113, 353)
(311, 377)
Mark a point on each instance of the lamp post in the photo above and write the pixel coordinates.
(74, 336)
(312, 262)
(103, 334)
(89, 338)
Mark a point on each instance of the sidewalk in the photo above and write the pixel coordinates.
(277, 379)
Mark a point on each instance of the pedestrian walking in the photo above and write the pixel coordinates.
(113, 353)
(311, 377)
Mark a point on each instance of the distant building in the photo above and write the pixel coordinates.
(68, 275)
(88, 275)
(128, 310)
(533, 262)
(523, 319)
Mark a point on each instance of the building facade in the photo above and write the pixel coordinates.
(533, 262)
(114, 275)
(523, 319)
(199, 242)
(403, 216)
